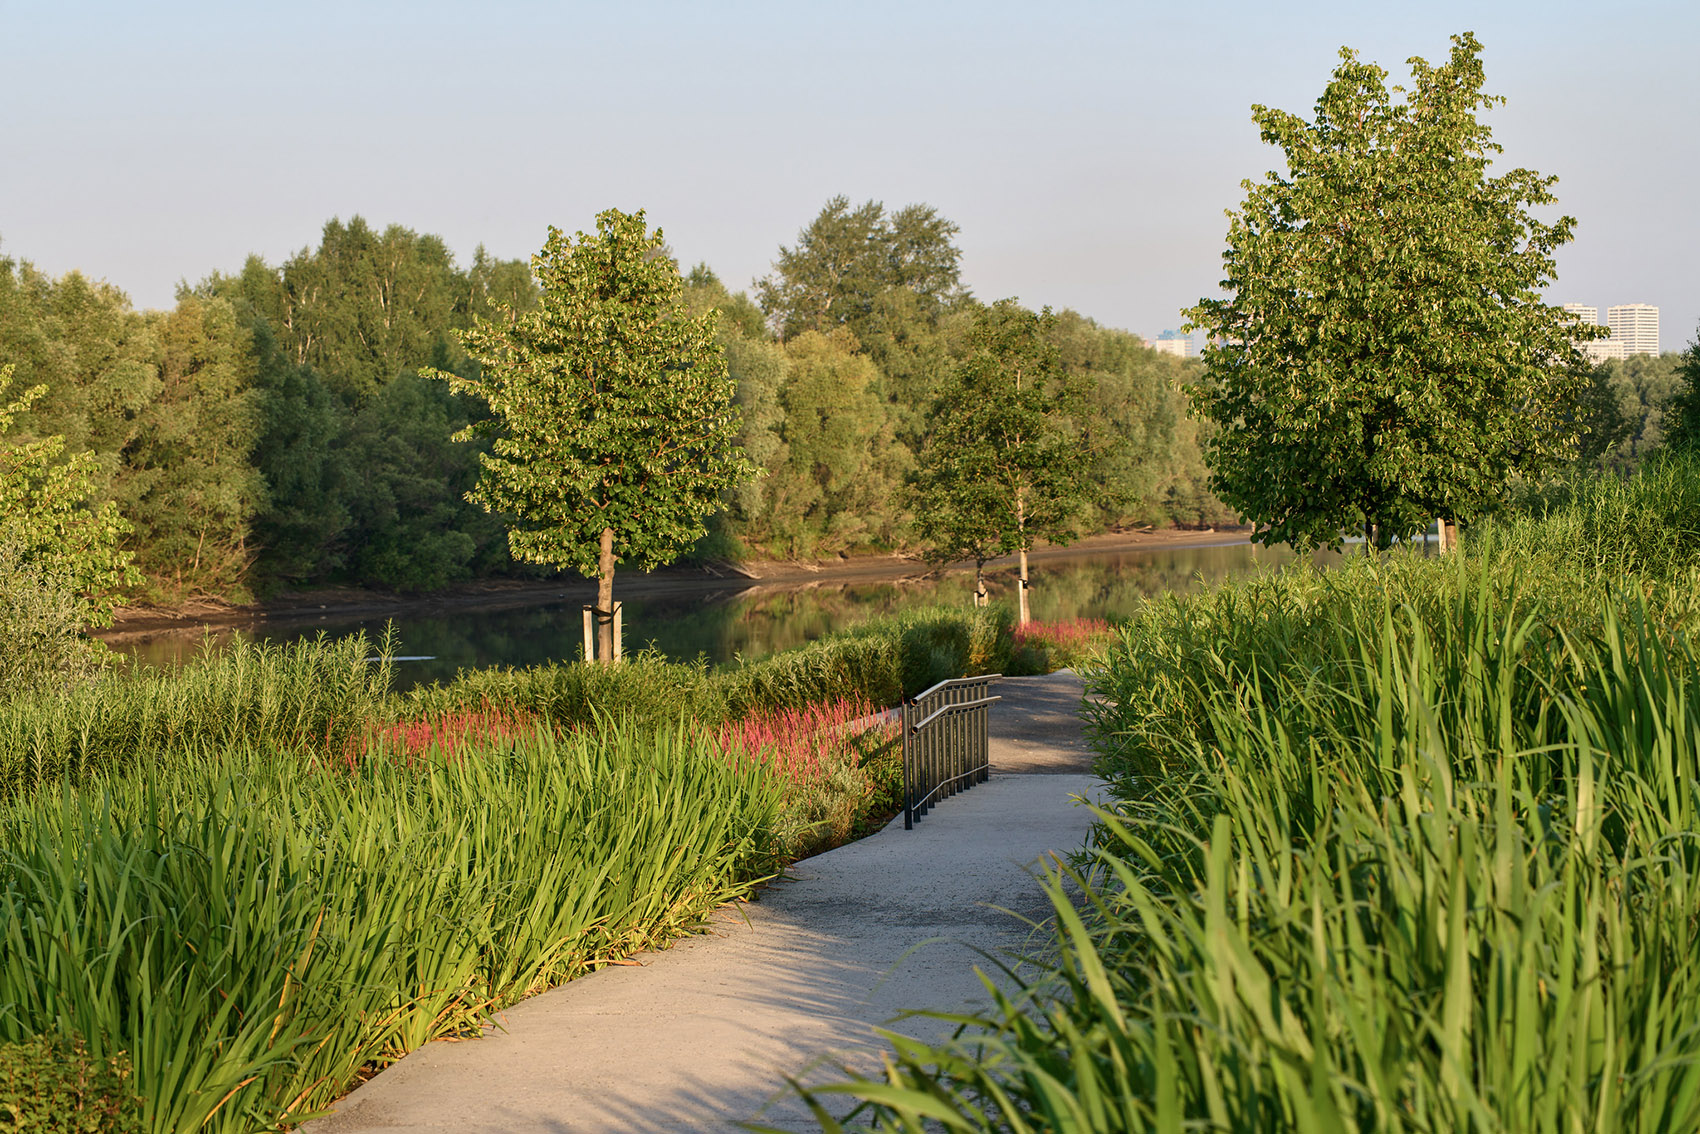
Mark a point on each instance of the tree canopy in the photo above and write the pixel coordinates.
(847, 260)
(1383, 356)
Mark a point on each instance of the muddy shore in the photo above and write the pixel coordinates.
(141, 623)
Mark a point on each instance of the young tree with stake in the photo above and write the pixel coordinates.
(1003, 465)
(613, 428)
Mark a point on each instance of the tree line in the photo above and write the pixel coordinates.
(275, 427)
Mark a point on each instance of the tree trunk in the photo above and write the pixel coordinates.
(980, 582)
(605, 601)
(1024, 617)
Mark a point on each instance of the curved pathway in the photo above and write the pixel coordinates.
(700, 1036)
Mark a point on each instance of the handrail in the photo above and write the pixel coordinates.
(945, 747)
(949, 709)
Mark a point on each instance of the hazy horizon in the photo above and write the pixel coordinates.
(1087, 151)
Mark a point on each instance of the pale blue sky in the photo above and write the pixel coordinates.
(1087, 150)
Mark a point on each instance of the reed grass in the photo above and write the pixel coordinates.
(318, 693)
(251, 931)
(1407, 847)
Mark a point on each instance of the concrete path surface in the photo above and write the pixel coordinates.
(702, 1035)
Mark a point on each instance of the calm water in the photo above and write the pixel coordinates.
(753, 622)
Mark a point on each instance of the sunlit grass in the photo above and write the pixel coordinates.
(1409, 846)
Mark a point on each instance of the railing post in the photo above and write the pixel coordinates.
(908, 721)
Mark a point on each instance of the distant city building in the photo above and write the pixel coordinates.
(1594, 350)
(1635, 327)
(1175, 343)
(1634, 330)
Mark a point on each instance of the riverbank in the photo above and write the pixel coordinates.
(132, 625)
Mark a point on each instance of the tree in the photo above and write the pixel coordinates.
(848, 258)
(49, 521)
(1383, 356)
(1004, 465)
(612, 420)
(1682, 416)
(832, 483)
(190, 488)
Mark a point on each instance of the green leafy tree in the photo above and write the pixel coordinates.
(1006, 462)
(49, 519)
(191, 489)
(832, 485)
(1383, 356)
(613, 427)
(848, 258)
(411, 527)
(1129, 416)
(1682, 418)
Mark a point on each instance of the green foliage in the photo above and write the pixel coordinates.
(301, 459)
(848, 259)
(365, 306)
(41, 623)
(410, 525)
(48, 518)
(1625, 410)
(1132, 404)
(1393, 852)
(54, 1086)
(1003, 465)
(646, 689)
(191, 490)
(253, 930)
(1384, 356)
(611, 407)
(832, 479)
(1684, 427)
(316, 696)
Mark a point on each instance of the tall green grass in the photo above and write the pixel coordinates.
(1410, 846)
(1451, 884)
(321, 693)
(251, 931)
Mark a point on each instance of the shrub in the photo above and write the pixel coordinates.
(1044, 647)
(53, 1086)
(842, 762)
(42, 644)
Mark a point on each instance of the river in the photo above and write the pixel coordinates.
(750, 621)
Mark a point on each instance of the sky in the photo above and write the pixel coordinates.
(1088, 151)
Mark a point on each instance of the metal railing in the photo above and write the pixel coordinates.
(944, 743)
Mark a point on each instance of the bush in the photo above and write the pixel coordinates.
(41, 628)
(1045, 647)
(54, 1086)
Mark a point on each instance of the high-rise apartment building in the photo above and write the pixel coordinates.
(1173, 342)
(1634, 328)
(1594, 350)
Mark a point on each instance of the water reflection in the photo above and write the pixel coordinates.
(754, 621)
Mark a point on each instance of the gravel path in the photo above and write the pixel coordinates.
(702, 1035)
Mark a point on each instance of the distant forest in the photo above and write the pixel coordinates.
(271, 430)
